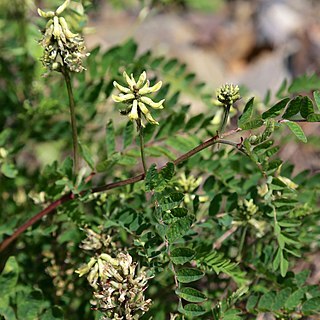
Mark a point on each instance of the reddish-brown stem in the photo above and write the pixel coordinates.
(35, 218)
(70, 196)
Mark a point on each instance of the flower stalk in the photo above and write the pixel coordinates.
(227, 95)
(134, 96)
(73, 120)
(143, 156)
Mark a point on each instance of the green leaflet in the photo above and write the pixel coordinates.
(304, 83)
(191, 294)
(311, 306)
(9, 170)
(182, 255)
(276, 109)
(179, 228)
(193, 310)
(86, 154)
(316, 96)
(313, 117)
(9, 276)
(252, 124)
(266, 301)
(293, 108)
(296, 130)
(247, 113)
(306, 107)
(188, 275)
(127, 135)
(110, 138)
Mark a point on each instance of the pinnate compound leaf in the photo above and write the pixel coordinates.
(182, 255)
(247, 113)
(191, 294)
(296, 130)
(188, 275)
(276, 109)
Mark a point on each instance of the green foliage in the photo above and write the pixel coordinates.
(217, 223)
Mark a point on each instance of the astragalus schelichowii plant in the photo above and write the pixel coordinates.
(195, 232)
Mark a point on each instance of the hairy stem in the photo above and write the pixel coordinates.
(73, 121)
(70, 196)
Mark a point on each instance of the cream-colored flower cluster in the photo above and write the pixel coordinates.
(95, 241)
(247, 208)
(120, 286)
(62, 48)
(228, 94)
(187, 185)
(134, 95)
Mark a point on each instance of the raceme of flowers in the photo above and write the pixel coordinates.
(134, 95)
(61, 46)
(228, 94)
(120, 286)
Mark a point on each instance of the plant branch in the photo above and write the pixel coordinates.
(70, 196)
(225, 236)
(73, 121)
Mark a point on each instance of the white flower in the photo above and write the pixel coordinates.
(134, 96)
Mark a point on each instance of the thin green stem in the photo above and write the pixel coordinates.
(224, 119)
(242, 240)
(143, 157)
(66, 75)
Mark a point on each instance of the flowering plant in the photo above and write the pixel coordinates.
(157, 223)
